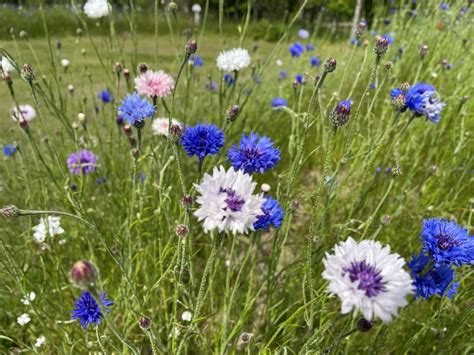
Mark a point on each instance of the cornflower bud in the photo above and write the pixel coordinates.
(28, 73)
(340, 115)
(232, 113)
(142, 68)
(330, 65)
(83, 274)
(10, 211)
(191, 47)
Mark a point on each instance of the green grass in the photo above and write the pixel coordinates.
(257, 283)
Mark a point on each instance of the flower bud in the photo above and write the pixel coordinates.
(381, 46)
(232, 113)
(23, 34)
(79, 32)
(70, 88)
(172, 6)
(176, 132)
(81, 117)
(191, 47)
(464, 99)
(58, 45)
(424, 50)
(83, 274)
(187, 201)
(144, 322)
(389, 66)
(245, 338)
(182, 230)
(405, 86)
(28, 73)
(386, 219)
(340, 115)
(118, 68)
(10, 211)
(135, 153)
(119, 120)
(363, 325)
(23, 123)
(265, 188)
(330, 65)
(142, 68)
(126, 74)
(396, 170)
(127, 129)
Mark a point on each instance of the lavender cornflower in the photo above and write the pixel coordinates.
(272, 215)
(196, 61)
(88, 311)
(420, 99)
(283, 74)
(279, 102)
(211, 85)
(202, 140)
(304, 34)
(82, 162)
(134, 110)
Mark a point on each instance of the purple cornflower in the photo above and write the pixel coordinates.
(82, 162)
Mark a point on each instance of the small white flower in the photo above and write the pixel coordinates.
(7, 65)
(227, 201)
(40, 341)
(29, 297)
(23, 319)
(234, 59)
(47, 227)
(265, 188)
(62, 242)
(97, 8)
(160, 126)
(26, 111)
(367, 278)
(303, 33)
(65, 62)
(279, 62)
(187, 316)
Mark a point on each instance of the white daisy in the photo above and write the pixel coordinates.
(97, 8)
(47, 227)
(227, 201)
(26, 111)
(234, 59)
(40, 341)
(367, 278)
(160, 126)
(29, 297)
(23, 319)
(6, 65)
(187, 316)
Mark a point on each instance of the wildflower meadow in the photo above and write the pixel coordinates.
(224, 177)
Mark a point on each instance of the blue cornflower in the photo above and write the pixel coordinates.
(272, 215)
(303, 33)
(299, 78)
(9, 150)
(373, 86)
(229, 79)
(211, 85)
(196, 61)
(100, 180)
(394, 93)
(296, 49)
(309, 47)
(202, 140)
(447, 242)
(283, 74)
(105, 96)
(315, 61)
(355, 41)
(134, 110)
(279, 102)
(420, 99)
(254, 154)
(88, 311)
(435, 281)
(388, 38)
(444, 6)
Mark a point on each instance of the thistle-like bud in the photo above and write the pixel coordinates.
(23, 123)
(381, 45)
(424, 50)
(330, 65)
(119, 120)
(191, 47)
(83, 274)
(245, 338)
(433, 169)
(145, 323)
(363, 325)
(118, 68)
(187, 201)
(142, 68)
(127, 129)
(340, 115)
(232, 113)
(28, 73)
(389, 66)
(70, 88)
(126, 74)
(176, 132)
(10, 211)
(182, 230)
(139, 124)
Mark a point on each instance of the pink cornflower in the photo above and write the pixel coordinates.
(154, 84)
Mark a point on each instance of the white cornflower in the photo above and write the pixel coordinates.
(65, 62)
(187, 316)
(234, 59)
(40, 341)
(23, 319)
(160, 126)
(279, 62)
(7, 65)
(97, 8)
(26, 111)
(227, 201)
(367, 278)
(47, 227)
(29, 297)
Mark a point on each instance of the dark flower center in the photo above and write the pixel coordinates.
(234, 201)
(252, 153)
(368, 276)
(445, 241)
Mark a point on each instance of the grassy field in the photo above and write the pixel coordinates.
(123, 217)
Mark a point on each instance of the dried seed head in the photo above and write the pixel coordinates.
(191, 47)
(144, 322)
(10, 211)
(389, 66)
(232, 113)
(83, 274)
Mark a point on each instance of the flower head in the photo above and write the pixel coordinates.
(233, 60)
(97, 8)
(340, 115)
(160, 126)
(27, 112)
(367, 278)
(279, 102)
(134, 109)
(420, 99)
(227, 201)
(296, 49)
(229, 79)
(47, 227)
(272, 215)
(254, 154)
(315, 61)
(82, 162)
(105, 96)
(447, 242)
(303, 33)
(9, 150)
(88, 311)
(23, 319)
(309, 47)
(435, 281)
(196, 61)
(154, 84)
(202, 140)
